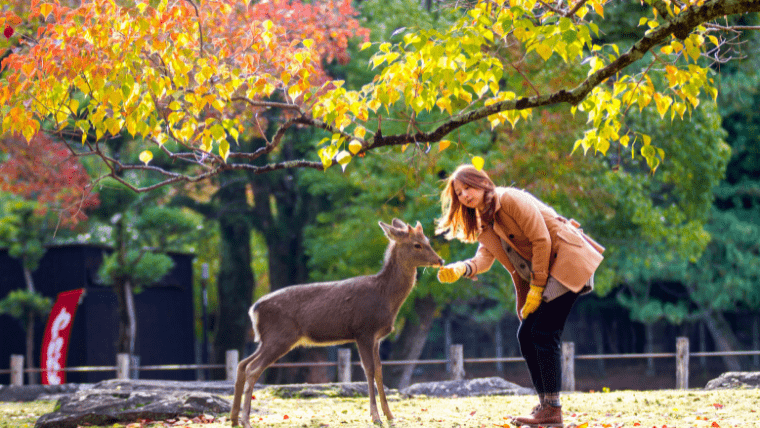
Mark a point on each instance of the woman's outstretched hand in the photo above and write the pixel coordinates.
(452, 272)
(532, 301)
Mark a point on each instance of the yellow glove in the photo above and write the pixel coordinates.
(532, 301)
(452, 272)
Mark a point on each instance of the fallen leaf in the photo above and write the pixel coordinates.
(715, 425)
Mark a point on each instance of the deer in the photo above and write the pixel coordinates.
(362, 309)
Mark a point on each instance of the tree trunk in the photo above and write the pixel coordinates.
(411, 342)
(235, 281)
(724, 338)
(31, 376)
(282, 209)
(127, 319)
(649, 349)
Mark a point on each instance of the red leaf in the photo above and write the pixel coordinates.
(472, 413)
(718, 406)
(715, 425)
(8, 32)
(286, 417)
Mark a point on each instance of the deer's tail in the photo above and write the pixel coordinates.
(253, 313)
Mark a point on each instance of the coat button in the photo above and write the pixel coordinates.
(511, 236)
(523, 266)
(509, 249)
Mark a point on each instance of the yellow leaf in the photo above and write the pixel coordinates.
(354, 146)
(308, 43)
(146, 157)
(45, 9)
(224, 149)
(544, 50)
(478, 162)
(365, 45)
(624, 140)
(599, 9)
(443, 145)
(343, 159)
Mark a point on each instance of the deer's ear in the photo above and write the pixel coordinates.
(398, 223)
(418, 228)
(392, 232)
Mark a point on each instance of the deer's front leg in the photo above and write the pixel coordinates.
(379, 380)
(367, 358)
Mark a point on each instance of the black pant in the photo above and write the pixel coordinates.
(539, 336)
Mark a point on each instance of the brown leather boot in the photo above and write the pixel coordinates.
(545, 416)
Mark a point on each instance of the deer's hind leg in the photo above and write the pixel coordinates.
(239, 386)
(379, 380)
(270, 350)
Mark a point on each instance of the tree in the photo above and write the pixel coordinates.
(198, 73)
(36, 180)
(46, 171)
(272, 206)
(24, 233)
(141, 233)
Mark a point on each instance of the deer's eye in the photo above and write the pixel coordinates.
(418, 246)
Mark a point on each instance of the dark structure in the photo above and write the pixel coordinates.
(165, 322)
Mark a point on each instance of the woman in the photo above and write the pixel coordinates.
(550, 260)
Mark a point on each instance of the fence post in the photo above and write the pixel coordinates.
(231, 358)
(122, 366)
(568, 366)
(344, 365)
(17, 369)
(682, 363)
(456, 359)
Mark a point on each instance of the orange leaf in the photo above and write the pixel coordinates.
(583, 425)
(715, 425)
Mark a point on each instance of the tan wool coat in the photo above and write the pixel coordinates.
(554, 245)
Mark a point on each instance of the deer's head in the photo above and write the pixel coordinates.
(411, 243)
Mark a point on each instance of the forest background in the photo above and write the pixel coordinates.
(682, 239)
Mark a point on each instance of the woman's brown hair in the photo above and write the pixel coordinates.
(459, 221)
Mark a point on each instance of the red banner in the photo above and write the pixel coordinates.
(55, 343)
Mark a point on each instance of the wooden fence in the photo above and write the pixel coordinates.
(125, 366)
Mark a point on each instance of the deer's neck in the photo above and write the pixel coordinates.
(396, 278)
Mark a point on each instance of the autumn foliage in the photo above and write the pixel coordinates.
(190, 71)
(45, 170)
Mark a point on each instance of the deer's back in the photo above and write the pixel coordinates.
(329, 311)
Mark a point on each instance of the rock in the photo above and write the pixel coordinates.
(18, 393)
(102, 405)
(324, 390)
(735, 380)
(467, 388)
(222, 387)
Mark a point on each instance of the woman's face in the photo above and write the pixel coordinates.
(471, 197)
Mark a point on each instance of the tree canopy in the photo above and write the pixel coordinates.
(202, 74)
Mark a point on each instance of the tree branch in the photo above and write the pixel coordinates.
(712, 9)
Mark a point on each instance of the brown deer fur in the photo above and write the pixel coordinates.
(361, 309)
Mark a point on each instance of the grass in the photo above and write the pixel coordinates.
(646, 409)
